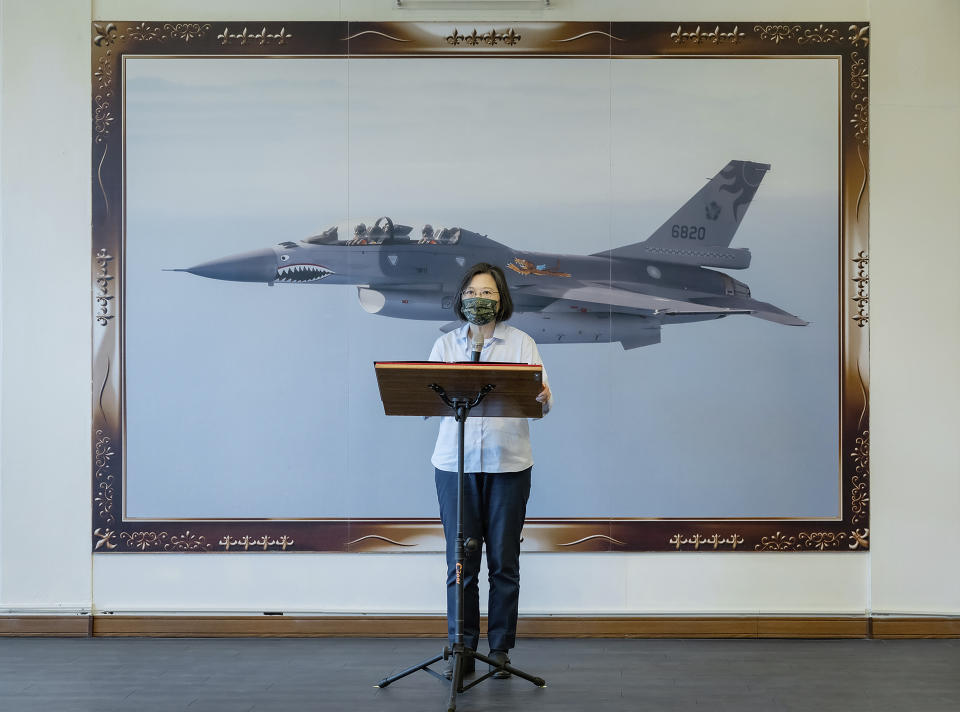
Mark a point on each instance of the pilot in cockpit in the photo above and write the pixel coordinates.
(359, 235)
(426, 235)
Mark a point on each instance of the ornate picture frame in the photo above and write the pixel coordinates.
(113, 41)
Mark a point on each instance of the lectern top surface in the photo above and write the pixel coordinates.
(409, 387)
(459, 364)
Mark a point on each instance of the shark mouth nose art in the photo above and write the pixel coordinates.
(302, 273)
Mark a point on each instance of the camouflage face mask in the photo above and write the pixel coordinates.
(480, 311)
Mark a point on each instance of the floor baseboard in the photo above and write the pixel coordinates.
(73, 626)
(351, 626)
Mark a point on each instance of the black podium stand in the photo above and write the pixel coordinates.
(490, 389)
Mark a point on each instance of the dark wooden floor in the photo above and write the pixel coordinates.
(167, 675)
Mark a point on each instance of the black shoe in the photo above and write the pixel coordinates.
(469, 666)
(499, 656)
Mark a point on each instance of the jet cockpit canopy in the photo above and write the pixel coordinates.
(383, 231)
(327, 237)
(439, 236)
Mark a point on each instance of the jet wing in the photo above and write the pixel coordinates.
(598, 293)
(761, 310)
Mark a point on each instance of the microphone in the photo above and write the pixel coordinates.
(477, 345)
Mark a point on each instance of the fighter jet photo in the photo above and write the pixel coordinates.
(626, 294)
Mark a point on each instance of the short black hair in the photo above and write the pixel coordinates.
(504, 308)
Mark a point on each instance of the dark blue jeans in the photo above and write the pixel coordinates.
(494, 507)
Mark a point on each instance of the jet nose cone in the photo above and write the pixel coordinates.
(256, 266)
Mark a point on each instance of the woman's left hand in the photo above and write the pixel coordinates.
(544, 394)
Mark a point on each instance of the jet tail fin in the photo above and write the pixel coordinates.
(700, 232)
(716, 210)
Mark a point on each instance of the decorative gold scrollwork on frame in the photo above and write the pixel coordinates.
(860, 492)
(110, 34)
(858, 93)
(377, 33)
(149, 540)
(186, 31)
(862, 296)
(385, 539)
(858, 76)
(860, 540)
(144, 32)
(106, 34)
(777, 33)
(813, 35)
(264, 542)
(262, 37)
(104, 73)
(103, 279)
(698, 540)
(102, 116)
(858, 34)
(188, 541)
(588, 34)
(822, 540)
(104, 538)
(861, 120)
(164, 541)
(592, 537)
(699, 36)
(102, 452)
(143, 540)
(777, 542)
(819, 35)
(492, 38)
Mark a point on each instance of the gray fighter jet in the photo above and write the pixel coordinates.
(625, 294)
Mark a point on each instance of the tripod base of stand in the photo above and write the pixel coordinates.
(460, 655)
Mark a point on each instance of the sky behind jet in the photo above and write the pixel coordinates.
(246, 400)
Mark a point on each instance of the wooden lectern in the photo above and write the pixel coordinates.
(493, 390)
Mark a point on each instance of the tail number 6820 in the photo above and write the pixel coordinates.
(688, 232)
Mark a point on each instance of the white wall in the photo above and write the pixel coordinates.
(915, 306)
(44, 462)
(44, 184)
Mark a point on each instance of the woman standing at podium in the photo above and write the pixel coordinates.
(497, 466)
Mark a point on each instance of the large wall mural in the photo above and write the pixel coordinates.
(681, 211)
